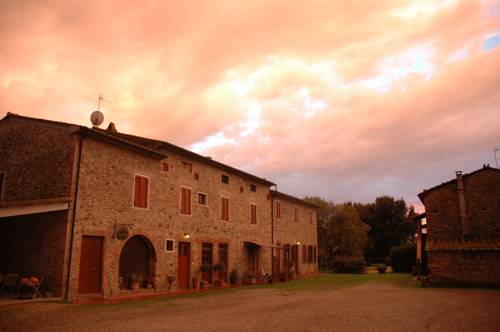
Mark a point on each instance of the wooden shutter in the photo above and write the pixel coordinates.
(141, 191)
(253, 213)
(144, 192)
(188, 201)
(224, 208)
(185, 200)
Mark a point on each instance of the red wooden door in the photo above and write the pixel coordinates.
(183, 265)
(90, 280)
(277, 262)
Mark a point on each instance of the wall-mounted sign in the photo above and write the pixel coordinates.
(122, 233)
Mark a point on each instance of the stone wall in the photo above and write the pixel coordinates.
(464, 268)
(105, 199)
(287, 231)
(36, 159)
(447, 260)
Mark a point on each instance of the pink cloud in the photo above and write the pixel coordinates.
(324, 97)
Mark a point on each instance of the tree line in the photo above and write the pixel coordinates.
(362, 233)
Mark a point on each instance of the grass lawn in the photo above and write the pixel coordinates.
(337, 281)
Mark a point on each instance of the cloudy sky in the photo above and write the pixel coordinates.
(343, 99)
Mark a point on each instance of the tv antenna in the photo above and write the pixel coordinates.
(97, 117)
(495, 153)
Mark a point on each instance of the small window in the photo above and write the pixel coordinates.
(141, 191)
(310, 218)
(202, 199)
(253, 214)
(253, 188)
(169, 245)
(278, 210)
(185, 201)
(187, 166)
(196, 176)
(224, 208)
(165, 167)
(224, 178)
(296, 214)
(241, 189)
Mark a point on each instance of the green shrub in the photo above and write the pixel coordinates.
(403, 257)
(340, 264)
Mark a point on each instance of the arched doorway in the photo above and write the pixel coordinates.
(137, 260)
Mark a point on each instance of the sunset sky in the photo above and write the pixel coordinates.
(347, 100)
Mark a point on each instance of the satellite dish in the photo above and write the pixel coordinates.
(96, 118)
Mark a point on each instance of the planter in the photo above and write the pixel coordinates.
(134, 285)
(149, 286)
(235, 278)
(196, 283)
(250, 280)
(222, 275)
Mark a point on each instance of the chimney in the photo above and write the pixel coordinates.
(461, 204)
(112, 128)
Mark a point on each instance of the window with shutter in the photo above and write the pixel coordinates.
(253, 214)
(185, 201)
(278, 210)
(141, 187)
(224, 213)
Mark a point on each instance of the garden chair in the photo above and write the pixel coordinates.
(9, 284)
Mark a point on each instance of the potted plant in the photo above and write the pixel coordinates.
(234, 278)
(206, 267)
(206, 271)
(136, 279)
(222, 271)
(382, 268)
(150, 282)
(250, 278)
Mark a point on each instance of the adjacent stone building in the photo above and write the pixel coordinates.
(94, 210)
(462, 222)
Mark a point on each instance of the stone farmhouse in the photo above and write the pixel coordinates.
(459, 234)
(94, 210)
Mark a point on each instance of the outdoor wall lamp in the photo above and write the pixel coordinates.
(186, 235)
(298, 243)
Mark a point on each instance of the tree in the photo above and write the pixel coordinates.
(341, 232)
(390, 225)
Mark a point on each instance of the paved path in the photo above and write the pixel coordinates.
(369, 307)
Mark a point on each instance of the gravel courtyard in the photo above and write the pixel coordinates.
(370, 306)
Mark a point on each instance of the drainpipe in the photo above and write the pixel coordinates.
(80, 144)
(272, 230)
(461, 204)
